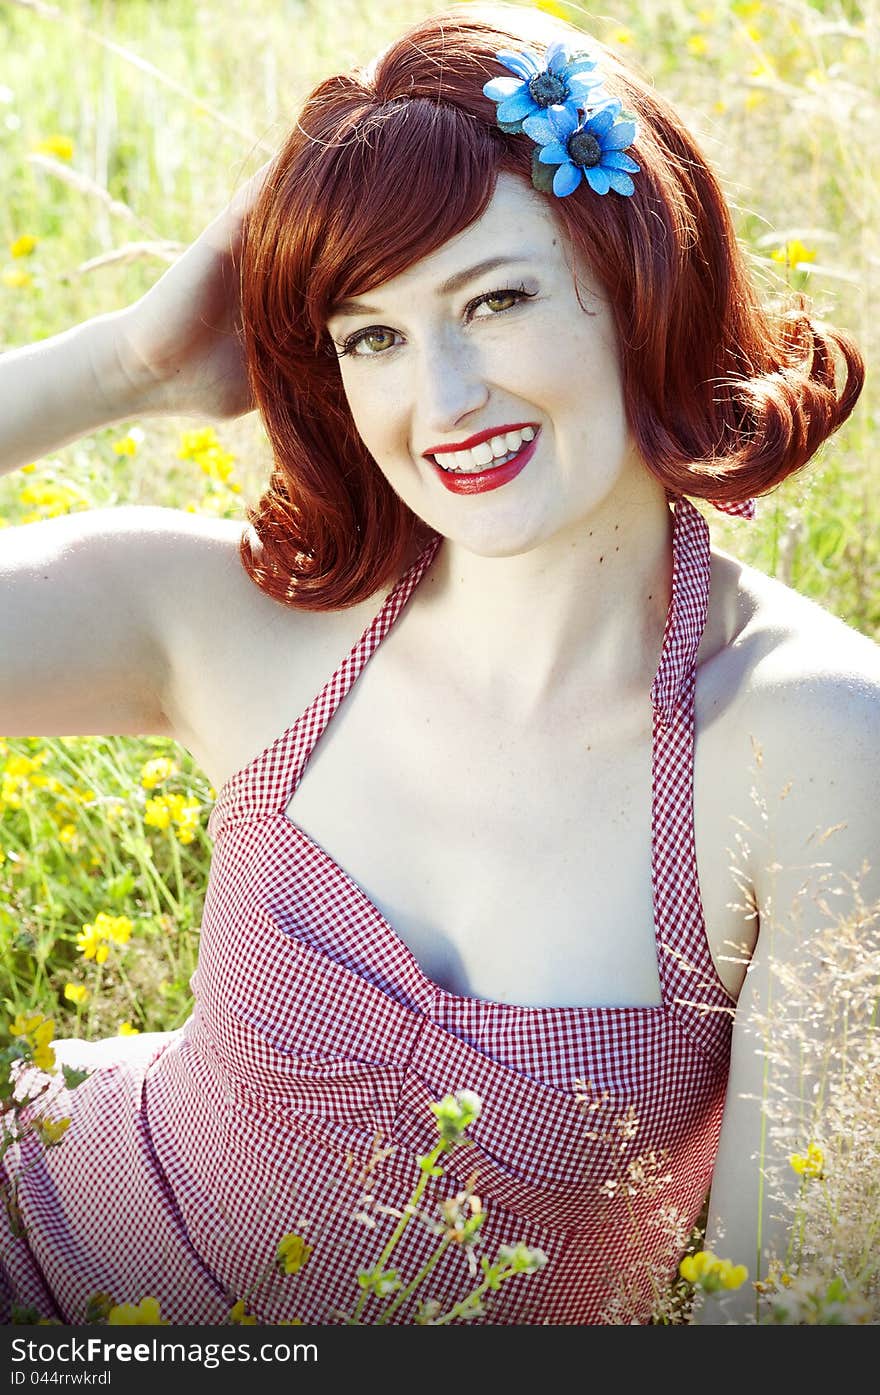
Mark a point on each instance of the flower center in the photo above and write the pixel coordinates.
(584, 149)
(546, 90)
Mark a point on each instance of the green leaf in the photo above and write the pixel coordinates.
(542, 175)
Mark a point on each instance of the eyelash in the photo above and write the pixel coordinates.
(347, 346)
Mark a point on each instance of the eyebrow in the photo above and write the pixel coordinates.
(454, 283)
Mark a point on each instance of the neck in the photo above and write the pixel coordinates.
(580, 616)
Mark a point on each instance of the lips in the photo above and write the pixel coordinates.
(480, 481)
(481, 436)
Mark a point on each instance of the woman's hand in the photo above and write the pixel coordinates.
(180, 345)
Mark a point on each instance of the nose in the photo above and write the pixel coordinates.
(450, 386)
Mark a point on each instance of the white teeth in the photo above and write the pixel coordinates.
(497, 449)
(482, 454)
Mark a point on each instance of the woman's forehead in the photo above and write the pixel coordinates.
(517, 227)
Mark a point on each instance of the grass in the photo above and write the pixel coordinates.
(123, 127)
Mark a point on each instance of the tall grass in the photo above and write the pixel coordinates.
(124, 125)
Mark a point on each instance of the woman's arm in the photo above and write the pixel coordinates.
(87, 600)
(175, 351)
(799, 1035)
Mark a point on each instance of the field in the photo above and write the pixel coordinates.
(124, 126)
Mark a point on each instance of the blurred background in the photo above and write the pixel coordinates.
(125, 125)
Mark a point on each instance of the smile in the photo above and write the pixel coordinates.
(489, 464)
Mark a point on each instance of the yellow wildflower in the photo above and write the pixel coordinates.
(292, 1254)
(697, 45)
(127, 1030)
(290, 1322)
(144, 1314)
(809, 1164)
(16, 279)
(48, 500)
(156, 771)
(43, 1057)
(76, 992)
(793, 254)
(156, 813)
(52, 1131)
(195, 443)
(117, 928)
(706, 1271)
(88, 942)
(67, 835)
(238, 1315)
(59, 146)
(24, 1023)
(128, 444)
(38, 1031)
(23, 246)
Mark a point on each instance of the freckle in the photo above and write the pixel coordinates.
(602, 559)
(617, 549)
(651, 596)
(616, 526)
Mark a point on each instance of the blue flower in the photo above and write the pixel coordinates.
(566, 80)
(585, 147)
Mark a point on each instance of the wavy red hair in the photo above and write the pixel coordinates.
(725, 398)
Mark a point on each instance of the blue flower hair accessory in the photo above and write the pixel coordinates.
(565, 110)
(564, 80)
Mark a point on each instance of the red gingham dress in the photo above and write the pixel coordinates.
(296, 1096)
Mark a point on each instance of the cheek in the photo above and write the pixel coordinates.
(375, 408)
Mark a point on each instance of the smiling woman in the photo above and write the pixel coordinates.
(496, 321)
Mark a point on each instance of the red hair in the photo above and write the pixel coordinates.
(725, 398)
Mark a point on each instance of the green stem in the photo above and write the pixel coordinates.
(464, 1304)
(409, 1212)
(419, 1279)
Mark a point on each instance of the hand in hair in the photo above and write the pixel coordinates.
(179, 345)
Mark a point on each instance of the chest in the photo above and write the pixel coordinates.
(515, 865)
(513, 860)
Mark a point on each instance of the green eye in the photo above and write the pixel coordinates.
(375, 339)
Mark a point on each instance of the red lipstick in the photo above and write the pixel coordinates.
(480, 436)
(494, 476)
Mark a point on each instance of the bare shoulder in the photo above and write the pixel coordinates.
(800, 651)
(240, 664)
(807, 717)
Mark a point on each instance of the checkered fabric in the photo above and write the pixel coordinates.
(296, 1096)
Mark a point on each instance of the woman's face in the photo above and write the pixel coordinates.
(480, 358)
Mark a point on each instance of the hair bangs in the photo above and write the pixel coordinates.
(409, 177)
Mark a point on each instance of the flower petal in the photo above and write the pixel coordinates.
(540, 128)
(499, 89)
(563, 117)
(524, 64)
(598, 179)
(582, 63)
(554, 153)
(556, 56)
(585, 88)
(517, 106)
(622, 135)
(616, 160)
(620, 182)
(566, 179)
(602, 120)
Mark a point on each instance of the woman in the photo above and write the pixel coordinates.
(495, 318)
